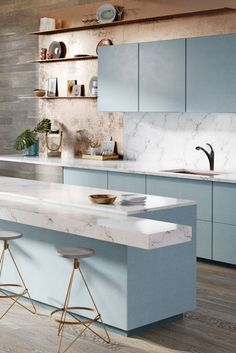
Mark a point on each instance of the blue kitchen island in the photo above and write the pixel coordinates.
(144, 269)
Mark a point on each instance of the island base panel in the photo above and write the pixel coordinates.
(112, 275)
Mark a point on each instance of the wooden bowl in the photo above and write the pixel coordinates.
(102, 198)
(39, 92)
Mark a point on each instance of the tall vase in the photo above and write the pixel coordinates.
(33, 150)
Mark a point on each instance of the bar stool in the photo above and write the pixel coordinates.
(6, 236)
(76, 254)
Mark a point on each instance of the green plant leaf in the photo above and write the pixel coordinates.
(43, 126)
(26, 139)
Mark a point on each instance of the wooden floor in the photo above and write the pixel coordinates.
(209, 329)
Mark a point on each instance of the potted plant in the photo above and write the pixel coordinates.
(28, 140)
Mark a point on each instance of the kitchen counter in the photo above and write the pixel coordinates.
(49, 205)
(124, 166)
(144, 268)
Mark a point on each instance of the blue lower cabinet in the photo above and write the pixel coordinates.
(224, 243)
(126, 182)
(204, 239)
(85, 177)
(199, 191)
(224, 203)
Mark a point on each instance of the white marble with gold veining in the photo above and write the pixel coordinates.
(67, 209)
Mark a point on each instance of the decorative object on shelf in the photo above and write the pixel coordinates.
(52, 90)
(95, 148)
(57, 50)
(119, 12)
(59, 23)
(88, 19)
(70, 85)
(103, 42)
(47, 24)
(103, 198)
(43, 54)
(49, 56)
(108, 147)
(77, 90)
(39, 92)
(93, 86)
(28, 141)
(54, 142)
(106, 13)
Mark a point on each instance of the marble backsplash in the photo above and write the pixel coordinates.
(168, 140)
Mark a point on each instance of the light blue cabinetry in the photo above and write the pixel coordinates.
(204, 239)
(162, 76)
(85, 177)
(211, 74)
(199, 191)
(126, 182)
(224, 203)
(118, 78)
(216, 228)
(224, 243)
(224, 222)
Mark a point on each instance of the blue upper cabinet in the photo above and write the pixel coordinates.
(211, 74)
(118, 78)
(162, 76)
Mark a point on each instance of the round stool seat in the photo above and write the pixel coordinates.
(7, 235)
(76, 253)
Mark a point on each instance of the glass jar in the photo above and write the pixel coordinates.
(54, 143)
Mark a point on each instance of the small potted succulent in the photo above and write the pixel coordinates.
(28, 140)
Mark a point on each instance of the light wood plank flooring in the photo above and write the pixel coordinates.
(209, 329)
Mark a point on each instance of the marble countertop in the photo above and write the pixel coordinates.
(67, 209)
(124, 166)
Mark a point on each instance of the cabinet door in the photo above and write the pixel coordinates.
(204, 239)
(85, 177)
(224, 243)
(162, 76)
(126, 182)
(118, 78)
(224, 203)
(199, 191)
(211, 74)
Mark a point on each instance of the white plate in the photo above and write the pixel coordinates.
(106, 13)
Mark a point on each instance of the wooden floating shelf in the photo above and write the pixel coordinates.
(62, 97)
(89, 57)
(218, 11)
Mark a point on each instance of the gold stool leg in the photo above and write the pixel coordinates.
(107, 340)
(14, 297)
(66, 310)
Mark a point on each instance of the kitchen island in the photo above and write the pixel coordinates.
(144, 268)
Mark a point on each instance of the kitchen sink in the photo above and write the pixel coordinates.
(193, 172)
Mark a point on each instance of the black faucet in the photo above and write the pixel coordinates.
(210, 156)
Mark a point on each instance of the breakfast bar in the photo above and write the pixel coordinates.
(143, 271)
